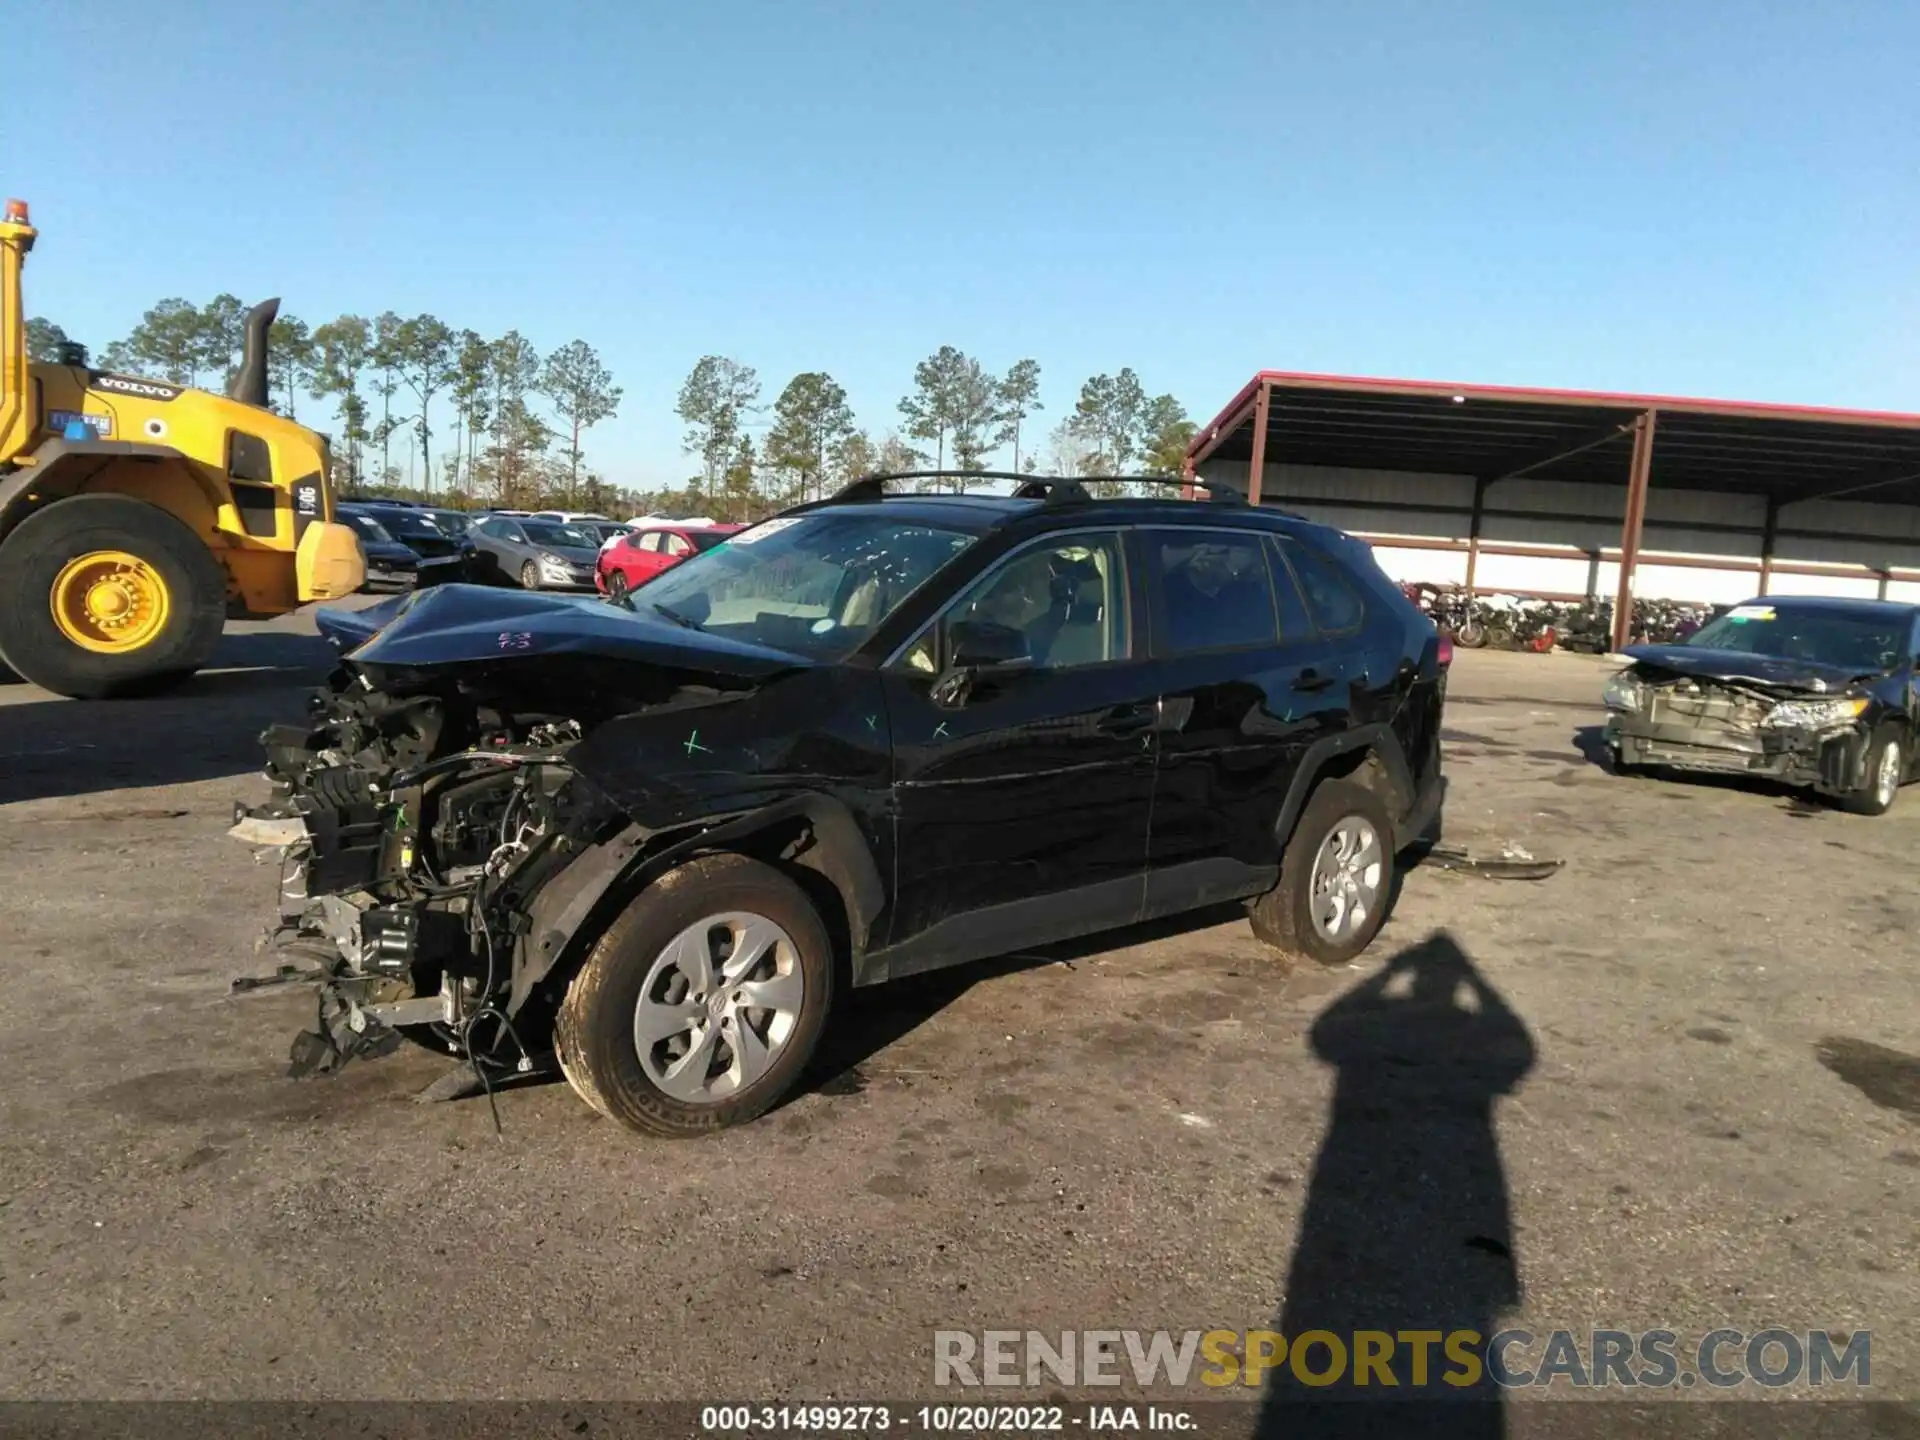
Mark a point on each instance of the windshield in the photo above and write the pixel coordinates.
(369, 528)
(1860, 643)
(541, 532)
(409, 522)
(816, 585)
(453, 522)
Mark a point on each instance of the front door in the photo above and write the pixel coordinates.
(1022, 806)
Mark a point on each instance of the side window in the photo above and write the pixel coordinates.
(1067, 599)
(511, 531)
(486, 528)
(1913, 644)
(1215, 591)
(677, 545)
(649, 542)
(1333, 599)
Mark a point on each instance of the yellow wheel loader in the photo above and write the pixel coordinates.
(137, 516)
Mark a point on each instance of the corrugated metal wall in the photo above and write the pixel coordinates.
(1385, 504)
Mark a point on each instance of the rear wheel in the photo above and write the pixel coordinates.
(702, 1003)
(104, 595)
(1336, 877)
(1886, 767)
(529, 576)
(616, 586)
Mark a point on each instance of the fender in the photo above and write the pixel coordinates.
(573, 909)
(1324, 752)
(63, 467)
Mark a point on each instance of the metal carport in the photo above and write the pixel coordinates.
(1743, 464)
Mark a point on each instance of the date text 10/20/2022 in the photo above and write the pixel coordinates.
(945, 1419)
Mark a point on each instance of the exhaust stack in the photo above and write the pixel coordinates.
(249, 385)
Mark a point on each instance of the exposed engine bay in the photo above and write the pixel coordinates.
(415, 828)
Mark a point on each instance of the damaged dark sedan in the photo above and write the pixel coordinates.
(649, 841)
(1818, 693)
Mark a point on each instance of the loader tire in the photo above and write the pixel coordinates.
(104, 596)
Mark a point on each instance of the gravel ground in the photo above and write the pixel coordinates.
(1673, 1085)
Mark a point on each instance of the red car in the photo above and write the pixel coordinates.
(635, 558)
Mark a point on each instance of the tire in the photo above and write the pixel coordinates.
(178, 569)
(1471, 635)
(1283, 917)
(617, 586)
(1886, 756)
(594, 1033)
(529, 576)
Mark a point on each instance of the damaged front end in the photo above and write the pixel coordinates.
(410, 838)
(431, 821)
(1803, 729)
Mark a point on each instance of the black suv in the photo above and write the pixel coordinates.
(871, 737)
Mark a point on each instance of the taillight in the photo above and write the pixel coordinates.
(1446, 651)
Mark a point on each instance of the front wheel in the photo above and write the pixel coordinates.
(1471, 634)
(104, 595)
(1336, 877)
(702, 1003)
(529, 576)
(1886, 766)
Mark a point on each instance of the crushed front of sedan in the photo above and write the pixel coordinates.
(1816, 692)
(1798, 731)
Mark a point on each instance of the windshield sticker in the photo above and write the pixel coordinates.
(1740, 614)
(760, 532)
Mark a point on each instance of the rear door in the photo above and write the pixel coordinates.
(1247, 683)
(1022, 813)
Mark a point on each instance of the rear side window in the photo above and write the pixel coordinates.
(1215, 591)
(649, 542)
(1333, 597)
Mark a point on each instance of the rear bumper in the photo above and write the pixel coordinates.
(1833, 762)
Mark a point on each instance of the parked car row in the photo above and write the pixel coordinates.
(407, 542)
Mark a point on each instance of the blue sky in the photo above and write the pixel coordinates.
(1703, 198)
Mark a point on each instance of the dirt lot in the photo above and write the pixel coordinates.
(1683, 1094)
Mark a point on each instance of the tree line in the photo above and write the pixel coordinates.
(519, 417)
(971, 416)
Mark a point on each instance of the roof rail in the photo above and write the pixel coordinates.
(1051, 489)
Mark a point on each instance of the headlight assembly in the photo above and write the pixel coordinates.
(1813, 714)
(1624, 692)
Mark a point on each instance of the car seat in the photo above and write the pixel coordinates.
(1072, 632)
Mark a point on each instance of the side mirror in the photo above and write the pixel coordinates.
(980, 649)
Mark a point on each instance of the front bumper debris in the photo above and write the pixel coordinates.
(1831, 762)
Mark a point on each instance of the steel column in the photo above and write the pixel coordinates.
(1257, 464)
(1473, 531)
(1638, 479)
(1769, 539)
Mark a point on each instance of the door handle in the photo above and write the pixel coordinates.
(1126, 720)
(1311, 680)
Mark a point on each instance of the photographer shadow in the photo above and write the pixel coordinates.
(1408, 1225)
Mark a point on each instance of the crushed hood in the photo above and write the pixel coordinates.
(1767, 671)
(466, 624)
